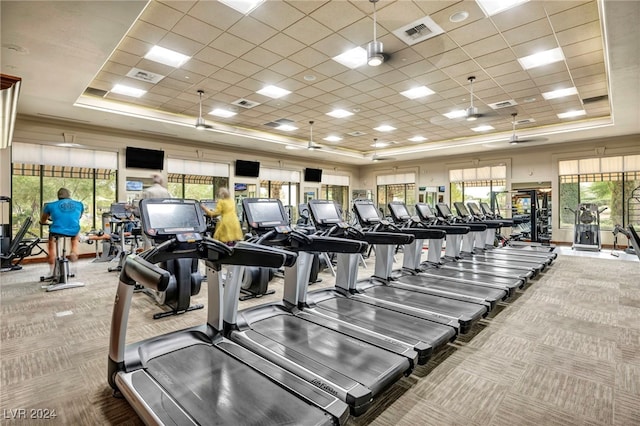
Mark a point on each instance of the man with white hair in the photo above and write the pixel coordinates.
(157, 190)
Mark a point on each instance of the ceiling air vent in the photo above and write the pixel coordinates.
(92, 91)
(357, 133)
(146, 76)
(245, 103)
(503, 104)
(595, 99)
(418, 30)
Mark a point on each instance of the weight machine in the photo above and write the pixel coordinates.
(586, 229)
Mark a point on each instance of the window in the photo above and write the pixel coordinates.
(33, 185)
(405, 192)
(286, 192)
(483, 184)
(195, 187)
(606, 182)
(337, 193)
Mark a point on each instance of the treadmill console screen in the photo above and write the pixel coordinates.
(210, 204)
(264, 212)
(367, 212)
(461, 208)
(474, 209)
(424, 211)
(119, 210)
(171, 216)
(324, 212)
(399, 211)
(444, 210)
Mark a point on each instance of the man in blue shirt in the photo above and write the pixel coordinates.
(65, 217)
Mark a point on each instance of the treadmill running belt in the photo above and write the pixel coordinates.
(360, 361)
(216, 389)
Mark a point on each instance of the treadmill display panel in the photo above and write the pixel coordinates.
(367, 212)
(169, 217)
(210, 204)
(424, 211)
(444, 210)
(119, 210)
(263, 212)
(474, 209)
(324, 212)
(462, 209)
(399, 211)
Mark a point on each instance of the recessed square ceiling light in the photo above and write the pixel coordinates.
(287, 127)
(417, 92)
(570, 114)
(560, 93)
(456, 114)
(224, 113)
(166, 56)
(541, 58)
(340, 113)
(482, 128)
(384, 128)
(242, 6)
(273, 92)
(121, 89)
(332, 138)
(492, 7)
(417, 139)
(379, 144)
(353, 58)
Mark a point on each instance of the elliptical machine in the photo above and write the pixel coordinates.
(586, 230)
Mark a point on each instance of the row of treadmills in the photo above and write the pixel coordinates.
(318, 356)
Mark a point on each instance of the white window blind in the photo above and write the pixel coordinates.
(398, 178)
(198, 168)
(589, 165)
(498, 172)
(455, 175)
(611, 164)
(47, 155)
(340, 180)
(569, 167)
(279, 175)
(483, 173)
(632, 163)
(480, 173)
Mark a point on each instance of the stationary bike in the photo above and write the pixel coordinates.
(59, 280)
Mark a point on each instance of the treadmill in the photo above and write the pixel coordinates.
(383, 286)
(410, 331)
(342, 365)
(196, 376)
(476, 248)
(489, 248)
(469, 265)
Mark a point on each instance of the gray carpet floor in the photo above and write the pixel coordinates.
(566, 351)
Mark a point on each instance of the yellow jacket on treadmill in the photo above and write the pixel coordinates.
(228, 227)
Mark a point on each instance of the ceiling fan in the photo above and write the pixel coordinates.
(472, 113)
(200, 123)
(514, 140)
(312, 146)
(375, 54)
(375, 157)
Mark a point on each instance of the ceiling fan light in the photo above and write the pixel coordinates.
(472, 113)
(200, 124)
(375, 57)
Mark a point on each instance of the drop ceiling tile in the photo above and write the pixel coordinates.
(134, 46)
(449, 58)
(214, 57)
(485, 46)
(577, 34)
(332, 45)
(172, 83)
(390, 77)
(196, 30)
(308, 58)
(215, 13)
(586, 46)
(146, 32)
(278, 15)
(528, 32)
(350, 77)
(124, 58)
(441, 17)
(227, 76)
(559, 79)
(472, 32)
(269, 77)
(243, 68)
(307, 31)
(584, 60)
(575, 17)
(180, 44)
(231, 45)
(287, 67)
(251, 30)
(519, 15)
(512, 77)
(461, 71)
(338, 14)
(161, 15)
(436, 46)
(199, 67)
(330, 68)
(535, 46)
(116, 68)
(261, 57)
(496, 58)
(597, 68)
(283, 45)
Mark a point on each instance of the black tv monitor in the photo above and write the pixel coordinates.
(366, 211)
(264, 213)
(247, 168)
(168, 217)
(134, 185)
(324, 212)
(399, 210)
(312, 175)
(141, 158)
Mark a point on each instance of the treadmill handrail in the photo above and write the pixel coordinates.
(138, 270)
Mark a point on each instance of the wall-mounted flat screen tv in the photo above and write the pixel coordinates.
(141, 158)
(312, 175)
(134, 185)
(247, 168)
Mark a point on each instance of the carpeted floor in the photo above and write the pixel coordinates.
(566, 351)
